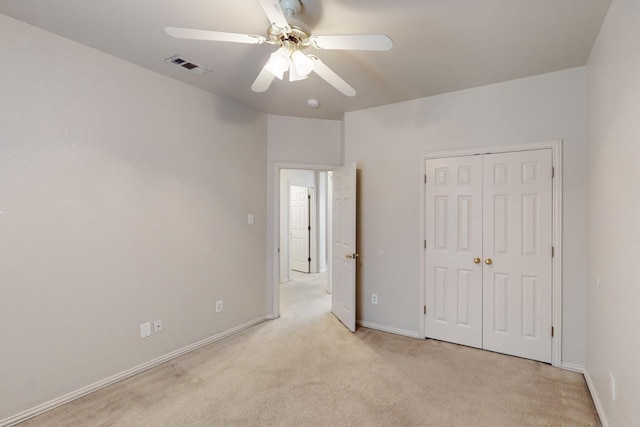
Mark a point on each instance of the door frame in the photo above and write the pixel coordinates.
(556, 240)
(273, 224)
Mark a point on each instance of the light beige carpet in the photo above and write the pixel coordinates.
(306, 369)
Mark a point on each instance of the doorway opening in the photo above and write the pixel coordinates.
(304, 224)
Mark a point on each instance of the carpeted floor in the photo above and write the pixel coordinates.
(306, 369)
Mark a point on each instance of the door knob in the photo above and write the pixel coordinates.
(488, 261)
(476, 260)
(352, 256)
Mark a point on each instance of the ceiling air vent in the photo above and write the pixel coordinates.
(187, 65)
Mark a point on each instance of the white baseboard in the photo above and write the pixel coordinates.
(40, 409)
(572, 367)
(390, 329)
(596, 399)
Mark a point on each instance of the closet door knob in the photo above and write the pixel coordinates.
(488, 261)
(476, 260)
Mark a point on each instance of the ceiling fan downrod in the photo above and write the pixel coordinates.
(290, 7)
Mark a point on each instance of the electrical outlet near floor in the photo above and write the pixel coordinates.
(218, 306)
(374, 298)
(157, 326)
(145, 330)
(612, 386)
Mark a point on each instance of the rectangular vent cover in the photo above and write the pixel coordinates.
(187, 65)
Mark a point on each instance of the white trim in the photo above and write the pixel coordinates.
(556, 261)
(596, 399)
(54, 403)
(273, 254)
(313, 223)
(573, 367)
(556, 152)
(422, 235)
(390, 329)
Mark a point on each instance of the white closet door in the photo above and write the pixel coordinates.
(454, 240)
(517, 225)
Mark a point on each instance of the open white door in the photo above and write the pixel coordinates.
(343, 246)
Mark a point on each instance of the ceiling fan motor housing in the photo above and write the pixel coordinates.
(297, 37)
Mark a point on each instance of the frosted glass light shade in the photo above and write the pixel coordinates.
(278, 62)
(294, 76)
(303, 64)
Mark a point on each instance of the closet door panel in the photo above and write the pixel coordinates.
(453, 285)
(517, 268)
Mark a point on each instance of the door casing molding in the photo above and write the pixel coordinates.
(556, 262)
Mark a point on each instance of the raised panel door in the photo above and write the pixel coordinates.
(454, 239)
(517, 226)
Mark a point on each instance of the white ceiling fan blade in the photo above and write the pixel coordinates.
(274, 12)
(263, 81)
(187, 33)
(353, 42)
(331, 77)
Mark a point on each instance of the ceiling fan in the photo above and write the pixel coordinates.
(292, 37)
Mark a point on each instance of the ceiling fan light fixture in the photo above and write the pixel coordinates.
(278, 62)
(302, 63)
(294, 75)
(291, 38)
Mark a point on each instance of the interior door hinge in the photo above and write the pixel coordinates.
(425, 309)
(308, 196)
(425, 178)
(553, 251)
(309, 259)
(553, 172)
(552, 331)
(425, 244)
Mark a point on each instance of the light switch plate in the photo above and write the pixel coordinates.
(145, 330)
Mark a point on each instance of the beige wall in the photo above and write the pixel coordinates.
(614, 214)
(388, 143)
(124, 199)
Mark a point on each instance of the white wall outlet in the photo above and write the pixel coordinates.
(145, 330)
(218, 306)
(374, 298)
(157, 326)
(612, 386)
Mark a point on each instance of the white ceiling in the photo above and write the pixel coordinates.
(439, 45)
